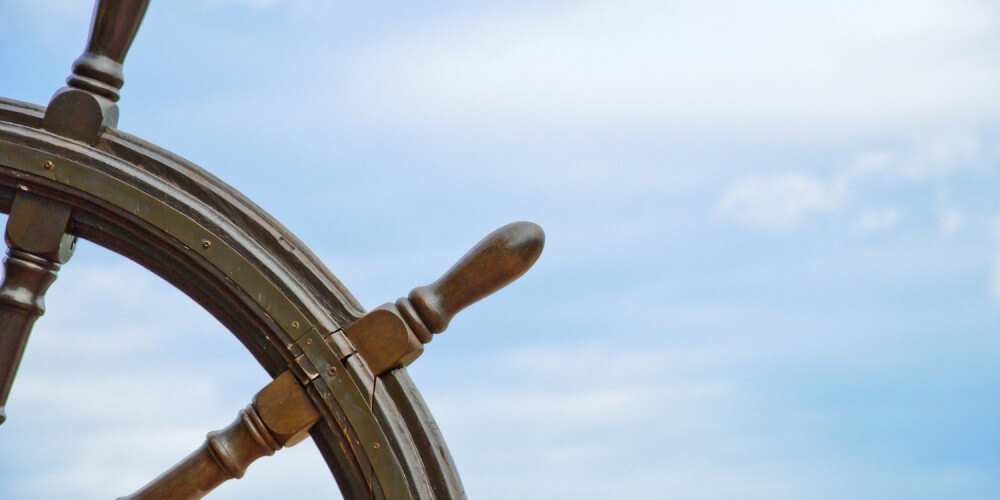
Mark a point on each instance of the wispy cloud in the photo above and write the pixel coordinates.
(556, 417)
(797, 71)
(652, 349)
(786, 201)
(951, 221)
(873, 221)
(779, 66)
(781, 202)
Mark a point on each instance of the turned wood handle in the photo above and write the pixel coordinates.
(280, 415)
(500, 258)
(114, 25)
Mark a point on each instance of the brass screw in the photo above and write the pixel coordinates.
(376, 446)
(331, 371)
(295, 324)
(206, 243)
(49, 165)
(309, 341)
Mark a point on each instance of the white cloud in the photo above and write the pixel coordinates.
(546, 416)
(951, 221)
(873, 221)
(599, 405)
(599, 420)
(780, 202)
(785, 201)
(722, 68)
(927, 157)
(780, 65)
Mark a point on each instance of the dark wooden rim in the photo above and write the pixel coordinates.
(418, 466)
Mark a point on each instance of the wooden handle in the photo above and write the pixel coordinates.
(393, 335)
(280, 415)
(114, 25)
(37, 246)
(500, 258)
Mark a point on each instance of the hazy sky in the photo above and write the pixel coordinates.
(772, 266)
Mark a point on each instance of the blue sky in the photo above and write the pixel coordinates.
(771, 271)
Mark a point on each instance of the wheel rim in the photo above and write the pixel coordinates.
(248, 271)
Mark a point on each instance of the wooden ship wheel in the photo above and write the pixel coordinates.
(338, 372)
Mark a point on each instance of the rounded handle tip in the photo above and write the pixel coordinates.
(500, 258)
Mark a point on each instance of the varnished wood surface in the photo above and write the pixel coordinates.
(272, 250)
(422, 432)
(27, 279)
(37, 245)
(253, 275)
(281, 414)
(86, 107)
(112, 29)
(383, 339)
(501, 257)
(392, 335)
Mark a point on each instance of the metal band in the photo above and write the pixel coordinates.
(299, 329)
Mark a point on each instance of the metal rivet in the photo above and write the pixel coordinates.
(295, 324)
(331, 371)
(49, 165)
(376, 446)
(206, 243)
(309, 341)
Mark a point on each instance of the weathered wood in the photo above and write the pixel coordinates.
(270, 290)
(37, 246)
(271, 250)
(384, 340)
(401, 442)
(423, 434)
(87, 105)
(274, 253)
(392, 335)
(501, 257)
(280, 415)
(285, 409)
(112, 29)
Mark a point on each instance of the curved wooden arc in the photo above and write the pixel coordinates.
(254, 276)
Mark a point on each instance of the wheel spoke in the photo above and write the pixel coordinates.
(37, 246)
(88, 103)
(279, 416)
